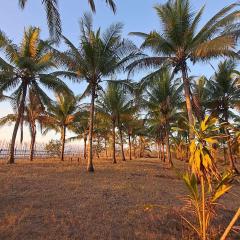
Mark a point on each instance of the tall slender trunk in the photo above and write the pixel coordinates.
(106, 151)
(229, 149)
(113, 142)
(163, 152)
(15, 130)
(187, 93)
(33, 139)
(134, 149)
(159, 155)
(229, 153)
(168, 151)
(90, 167)
(130, 146)
(141, 148)
(85, 148)
(121, 140)
(63, 137)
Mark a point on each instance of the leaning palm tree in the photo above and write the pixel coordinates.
(61, 115)
(180, 40)
(33, 113)
(225, 97)
(115, 105)
(99, 55)
(53, 15)
(27, 66)
(164, 97)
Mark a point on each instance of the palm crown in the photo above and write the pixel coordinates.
(53, 15)
(26, 67)
(180, 40)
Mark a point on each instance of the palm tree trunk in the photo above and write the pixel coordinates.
(85, 148)
(113, 142)
(130, 147)
(229, 153)
(106, 151)
(186, 86)
(63, 137)
(159, 150)
(90, 167)
(229, 149)
(141, 148)
(168, 152)
(15, 130)
(134, 149)
(163, 152)
(33, 139)
(121, 139)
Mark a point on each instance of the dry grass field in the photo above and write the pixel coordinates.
(139, 199)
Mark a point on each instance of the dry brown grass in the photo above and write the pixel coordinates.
(137, 199)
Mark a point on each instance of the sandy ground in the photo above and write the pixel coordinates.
(139, 199)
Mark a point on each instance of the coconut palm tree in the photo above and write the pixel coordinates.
(81, 129)
(115, 104)
(27, 66)
(180, 40)
(225, 96)
(53, 15)
(164, 97)
(99, 55)
(33, 113)
(130, 123)
(61, 115)
(200, 97)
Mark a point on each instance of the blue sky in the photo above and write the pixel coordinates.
(137, 15)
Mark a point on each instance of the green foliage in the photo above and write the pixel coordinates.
(53, 148)
(200, 200)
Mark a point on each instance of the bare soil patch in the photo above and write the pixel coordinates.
(138, 199)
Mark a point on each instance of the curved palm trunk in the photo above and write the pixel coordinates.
(63, 137)
(85, 148)
(113, 142)
(130, 147)
(121, 139)
(33, 139)
(90, 167)
(186, 86)
(168, 151)
(15, 130)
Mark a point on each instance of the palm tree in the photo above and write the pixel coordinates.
(53, 15)
(164, 96)
(81, 129)
(130, 123)
(25, 68)
(180, 40)
(200, 97)
(116, 105)
(225, 94)
(33, 113)
(98, 56)
(60, 115)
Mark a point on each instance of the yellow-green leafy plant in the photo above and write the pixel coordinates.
(203, 197)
